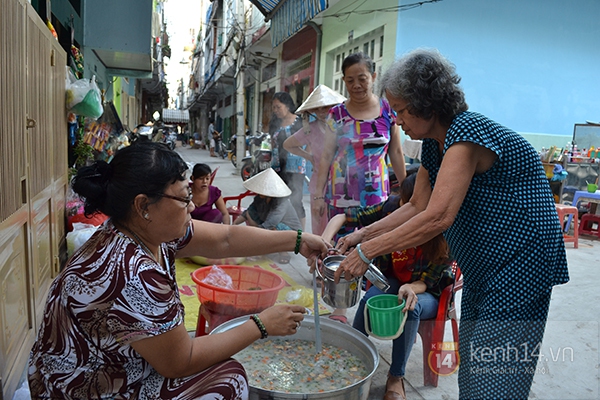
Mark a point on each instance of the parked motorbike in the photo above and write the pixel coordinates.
(231, 150)
(171, 139)
(260, 155)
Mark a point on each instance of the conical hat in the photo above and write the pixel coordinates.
(268, 183)
(320, 97)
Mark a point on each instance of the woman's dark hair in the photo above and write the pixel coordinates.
(428, 82)
(436, 250)
(358, 58)
(142, 168)
(200, 170)
(285, 99)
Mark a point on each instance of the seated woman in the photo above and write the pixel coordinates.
(271, 208)
(113, 321)
(205, 196)
(417, 275)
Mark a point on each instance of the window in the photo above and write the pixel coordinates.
(365, 43)
(227, 101)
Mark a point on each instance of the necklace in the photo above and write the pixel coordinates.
(143, 245)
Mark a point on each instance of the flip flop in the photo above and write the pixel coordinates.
(339, 318)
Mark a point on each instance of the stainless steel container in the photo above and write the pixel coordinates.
(332, 333)
(343, 294)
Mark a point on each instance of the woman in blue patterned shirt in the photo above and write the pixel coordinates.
(483, 186)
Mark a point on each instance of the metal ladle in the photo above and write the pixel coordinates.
(316, 311)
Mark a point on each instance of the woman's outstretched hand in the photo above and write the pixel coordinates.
(349, 241)
(312, 247)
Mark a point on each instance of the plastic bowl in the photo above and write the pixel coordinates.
(255, 290)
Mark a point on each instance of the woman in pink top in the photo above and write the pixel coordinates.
(308, 143)
(207, 199)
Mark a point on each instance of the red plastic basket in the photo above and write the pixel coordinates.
(255, 290)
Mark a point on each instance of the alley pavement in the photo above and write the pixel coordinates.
(569, 367)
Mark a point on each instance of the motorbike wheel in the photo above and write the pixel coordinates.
(246, 171)
(233, 159)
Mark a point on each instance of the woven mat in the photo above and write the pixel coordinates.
(187, 288)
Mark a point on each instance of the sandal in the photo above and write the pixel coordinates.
(284, 258)
(339, 318)
(392, 395)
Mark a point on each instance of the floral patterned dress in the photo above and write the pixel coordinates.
(111, 294)
(359, 174)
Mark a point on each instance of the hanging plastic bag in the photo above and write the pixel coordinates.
(83, 98)
(80, 234)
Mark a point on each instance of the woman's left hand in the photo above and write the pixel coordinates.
(407, 293)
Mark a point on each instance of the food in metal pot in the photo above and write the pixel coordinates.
(292, 366)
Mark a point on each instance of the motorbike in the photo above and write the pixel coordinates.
(170, 139)
(231, 150)
(260, 155)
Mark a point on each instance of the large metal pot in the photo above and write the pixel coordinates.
(332, 333)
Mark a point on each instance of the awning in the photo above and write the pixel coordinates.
(175, 116)
(288, 16)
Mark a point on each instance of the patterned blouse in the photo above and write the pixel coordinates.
(506, 236)
(111, 294)
(282, 159)
(359, 174)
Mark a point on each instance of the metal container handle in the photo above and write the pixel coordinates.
(374, 275)
(317, 268)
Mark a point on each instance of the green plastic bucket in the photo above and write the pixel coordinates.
(384, 318)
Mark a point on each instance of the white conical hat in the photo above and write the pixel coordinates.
(320, 97)
(268, 183)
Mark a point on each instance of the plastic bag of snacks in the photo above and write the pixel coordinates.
(219, 278)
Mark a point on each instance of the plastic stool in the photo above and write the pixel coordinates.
(210, 318)
(563, 211)
(587, 224)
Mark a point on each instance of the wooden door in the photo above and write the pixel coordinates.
(33, 179)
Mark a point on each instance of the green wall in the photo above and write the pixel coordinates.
(336, 25)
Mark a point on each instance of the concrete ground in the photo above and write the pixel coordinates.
(570, 363)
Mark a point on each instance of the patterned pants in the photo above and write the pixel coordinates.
(499, 345)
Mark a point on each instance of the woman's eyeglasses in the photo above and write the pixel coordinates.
(185, 200)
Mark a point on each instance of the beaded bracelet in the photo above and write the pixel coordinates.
(261, 326)
(298, 242)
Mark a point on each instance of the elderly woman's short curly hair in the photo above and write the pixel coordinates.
(428, 82)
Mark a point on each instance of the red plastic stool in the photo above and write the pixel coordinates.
(563, 211)
(212, 319)
(586, 227)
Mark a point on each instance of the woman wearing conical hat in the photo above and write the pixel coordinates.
(308, 143)
(271, 208)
